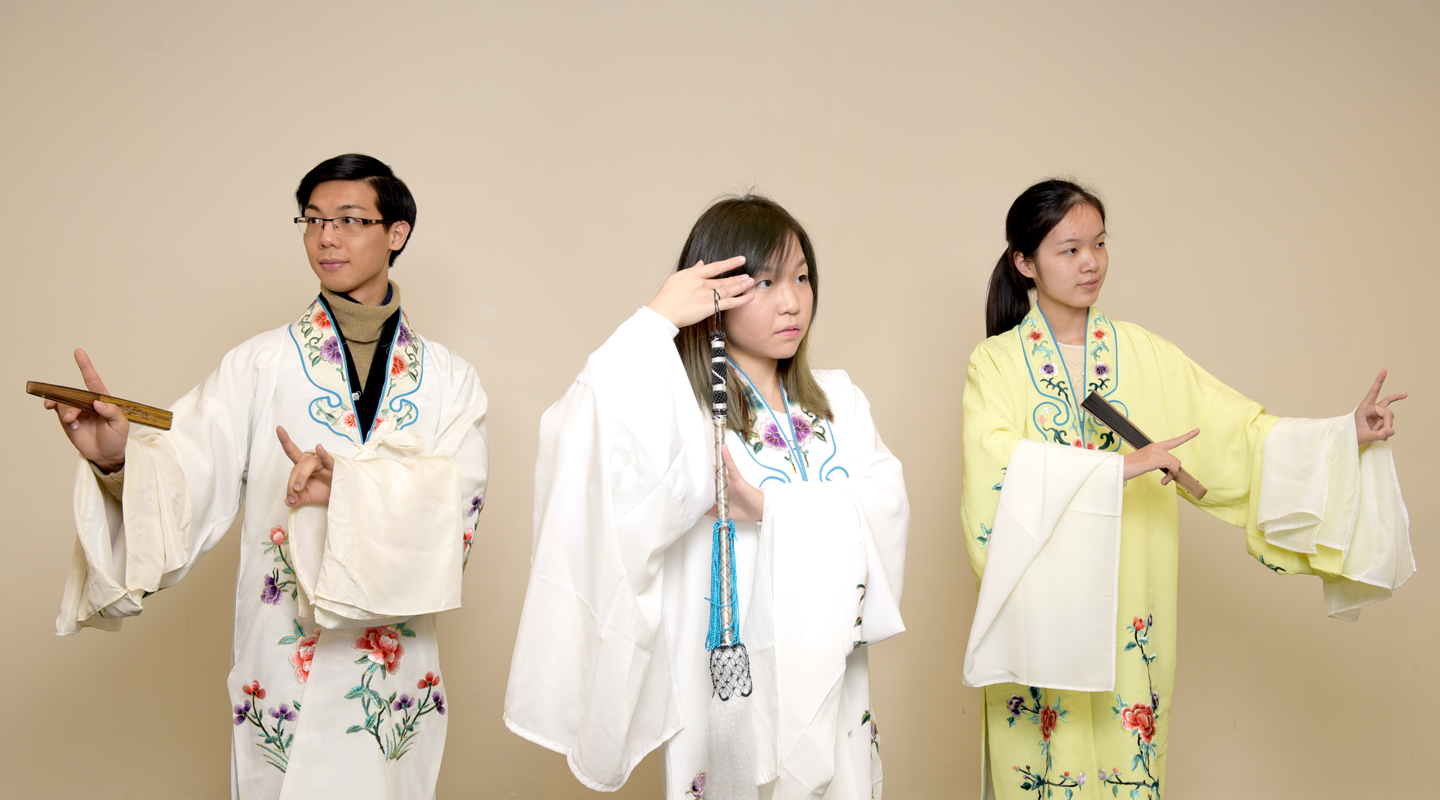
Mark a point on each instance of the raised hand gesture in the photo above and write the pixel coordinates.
(1374, 421)
(98, 433)
(310, 477)
(688, 296)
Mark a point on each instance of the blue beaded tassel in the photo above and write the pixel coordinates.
(729, 732)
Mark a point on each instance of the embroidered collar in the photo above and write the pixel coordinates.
(323, 358)
(1059, 415)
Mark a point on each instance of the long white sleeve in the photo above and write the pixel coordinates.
(1318, 490)
(183, 489)
(1052, 572)
(616, 482)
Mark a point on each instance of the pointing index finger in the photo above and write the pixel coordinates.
(291, 451)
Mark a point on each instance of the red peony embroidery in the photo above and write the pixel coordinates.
(1048, 720)
(303, 655)
(277, 535)
(397, 366)
(382, 646)
(1139, 625)
(1035, 336)
(1090, 446)
(1139, 717)
(321, 319)
(1098, 333)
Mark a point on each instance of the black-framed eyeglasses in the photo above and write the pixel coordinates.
(345, 226)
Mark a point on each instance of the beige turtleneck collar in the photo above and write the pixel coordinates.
(361, 325)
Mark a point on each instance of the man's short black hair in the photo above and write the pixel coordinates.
(396, 202)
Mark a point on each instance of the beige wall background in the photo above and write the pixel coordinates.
(1271, 171)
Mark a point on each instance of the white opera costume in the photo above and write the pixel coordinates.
(610, 662)
(335, 681)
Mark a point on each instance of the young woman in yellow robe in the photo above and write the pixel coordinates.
(1074, 536)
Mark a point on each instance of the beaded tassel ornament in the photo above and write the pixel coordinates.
(730, 739)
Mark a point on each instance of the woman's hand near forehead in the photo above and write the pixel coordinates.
(688, 296)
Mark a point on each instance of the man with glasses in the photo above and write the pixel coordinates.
(350, 548)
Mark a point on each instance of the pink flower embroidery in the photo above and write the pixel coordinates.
(277, 535)
(303, 655)
(253, 689)
(430, 679)
(1098, 333)
(397, 366)
(382, 646)
(321, 319)
(1035, 336)
(1139, 625)
(347, 420)
(1139, 717)
(1089, 445)
(1049, 718)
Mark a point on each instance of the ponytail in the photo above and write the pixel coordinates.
(1033, 214)
(1009, 298)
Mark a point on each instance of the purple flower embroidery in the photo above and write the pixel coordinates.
(773, 438)
(439, 702)
(271, 593)
(330, 351)
(1101, 369)
(476, 504)
(1155, 701)
(1103, 776)
(1048, 369)
(405, 338)
(405, 701)
(240, 712)
(697, 784)
(802, 429)
(1013, 705)
(283, 712)
(1081, 780)
(1149, 620)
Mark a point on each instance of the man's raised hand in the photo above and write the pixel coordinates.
(310, 478)
(98, 433)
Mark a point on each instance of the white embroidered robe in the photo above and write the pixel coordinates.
(320, 589)
(610, 661)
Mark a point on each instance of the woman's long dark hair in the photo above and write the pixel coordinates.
(759, 229)
(1033, 214)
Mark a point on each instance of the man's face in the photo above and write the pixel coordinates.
(348, 261)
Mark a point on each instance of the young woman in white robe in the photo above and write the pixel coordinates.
(348, 552)
(610, 662)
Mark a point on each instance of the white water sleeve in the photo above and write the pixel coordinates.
(1318, 488)
(1052, 572)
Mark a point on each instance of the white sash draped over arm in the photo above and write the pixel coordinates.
(1320, 489)
(1052, 572)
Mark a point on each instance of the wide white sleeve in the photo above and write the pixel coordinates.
(1052, 572)
(836, 553)
(391, 543)
(623, 471)
(1318, 488)
(183, 489)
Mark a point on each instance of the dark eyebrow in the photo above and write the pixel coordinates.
(1103, 232)
(310, 206)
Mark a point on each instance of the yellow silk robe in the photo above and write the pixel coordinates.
(1042, 742)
